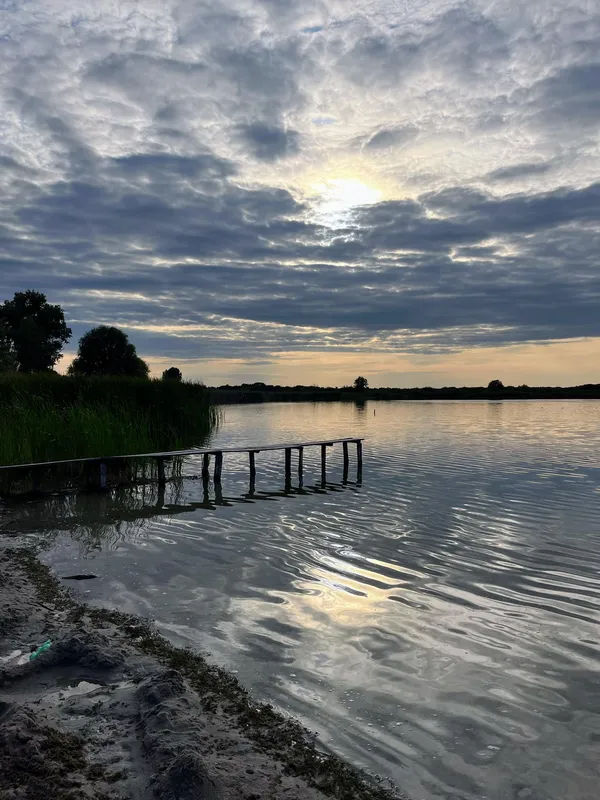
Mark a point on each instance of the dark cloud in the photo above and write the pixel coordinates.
(524, 170)
(264, 76)
(251, 255)
(517, 214)
(464, 43)
(269, 142)
(570, 96)
(390, 137)
(140, 72)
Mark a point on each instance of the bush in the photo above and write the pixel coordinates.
(172, 374)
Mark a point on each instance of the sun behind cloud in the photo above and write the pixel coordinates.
(334, 201)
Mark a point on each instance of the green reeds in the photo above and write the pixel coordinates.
(46, 417)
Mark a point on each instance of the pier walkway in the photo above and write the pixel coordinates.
(97, 469)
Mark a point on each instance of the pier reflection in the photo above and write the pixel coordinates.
(103, 519)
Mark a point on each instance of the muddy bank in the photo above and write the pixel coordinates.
(112, 710)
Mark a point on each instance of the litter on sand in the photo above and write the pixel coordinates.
(41, 649)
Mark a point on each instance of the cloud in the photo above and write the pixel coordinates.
(269, 142)
(390, 137)
(517, 171)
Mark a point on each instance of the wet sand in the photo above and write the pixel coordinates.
(112, 710)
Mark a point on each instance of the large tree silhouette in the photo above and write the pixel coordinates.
(107, 351)
(36, 329)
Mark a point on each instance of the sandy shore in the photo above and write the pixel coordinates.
(112, 710)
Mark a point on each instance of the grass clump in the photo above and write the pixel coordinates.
(46, 417)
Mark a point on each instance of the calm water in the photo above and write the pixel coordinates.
(438, 624)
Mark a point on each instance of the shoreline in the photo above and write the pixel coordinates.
(111, 710)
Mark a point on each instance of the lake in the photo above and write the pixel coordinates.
(437, 623)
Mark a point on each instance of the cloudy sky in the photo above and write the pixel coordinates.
(300, 191)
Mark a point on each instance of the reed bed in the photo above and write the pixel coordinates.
(47, 417)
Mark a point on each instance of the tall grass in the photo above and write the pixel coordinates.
(47, 417)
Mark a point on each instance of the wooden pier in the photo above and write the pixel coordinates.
(96, 471)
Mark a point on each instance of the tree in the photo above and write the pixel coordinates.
(107, 351)
(495, 386)
(172, 374)
(360, 384)
(37, 330)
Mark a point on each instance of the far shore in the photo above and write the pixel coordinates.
(265, 393)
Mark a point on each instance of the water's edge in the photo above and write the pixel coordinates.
(73, 628)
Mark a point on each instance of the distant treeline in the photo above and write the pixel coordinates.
(263, 393)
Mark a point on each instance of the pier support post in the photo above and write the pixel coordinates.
(162, 479)
(359, 460)
(205, 466)
(218, 467)
(288, 465)
(300, 464)
(346, 461)
(323, 462)
(103, 476)
(251, 458)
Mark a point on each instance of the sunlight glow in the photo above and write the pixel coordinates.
(335, 201)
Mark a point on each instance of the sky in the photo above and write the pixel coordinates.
(301, 191)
